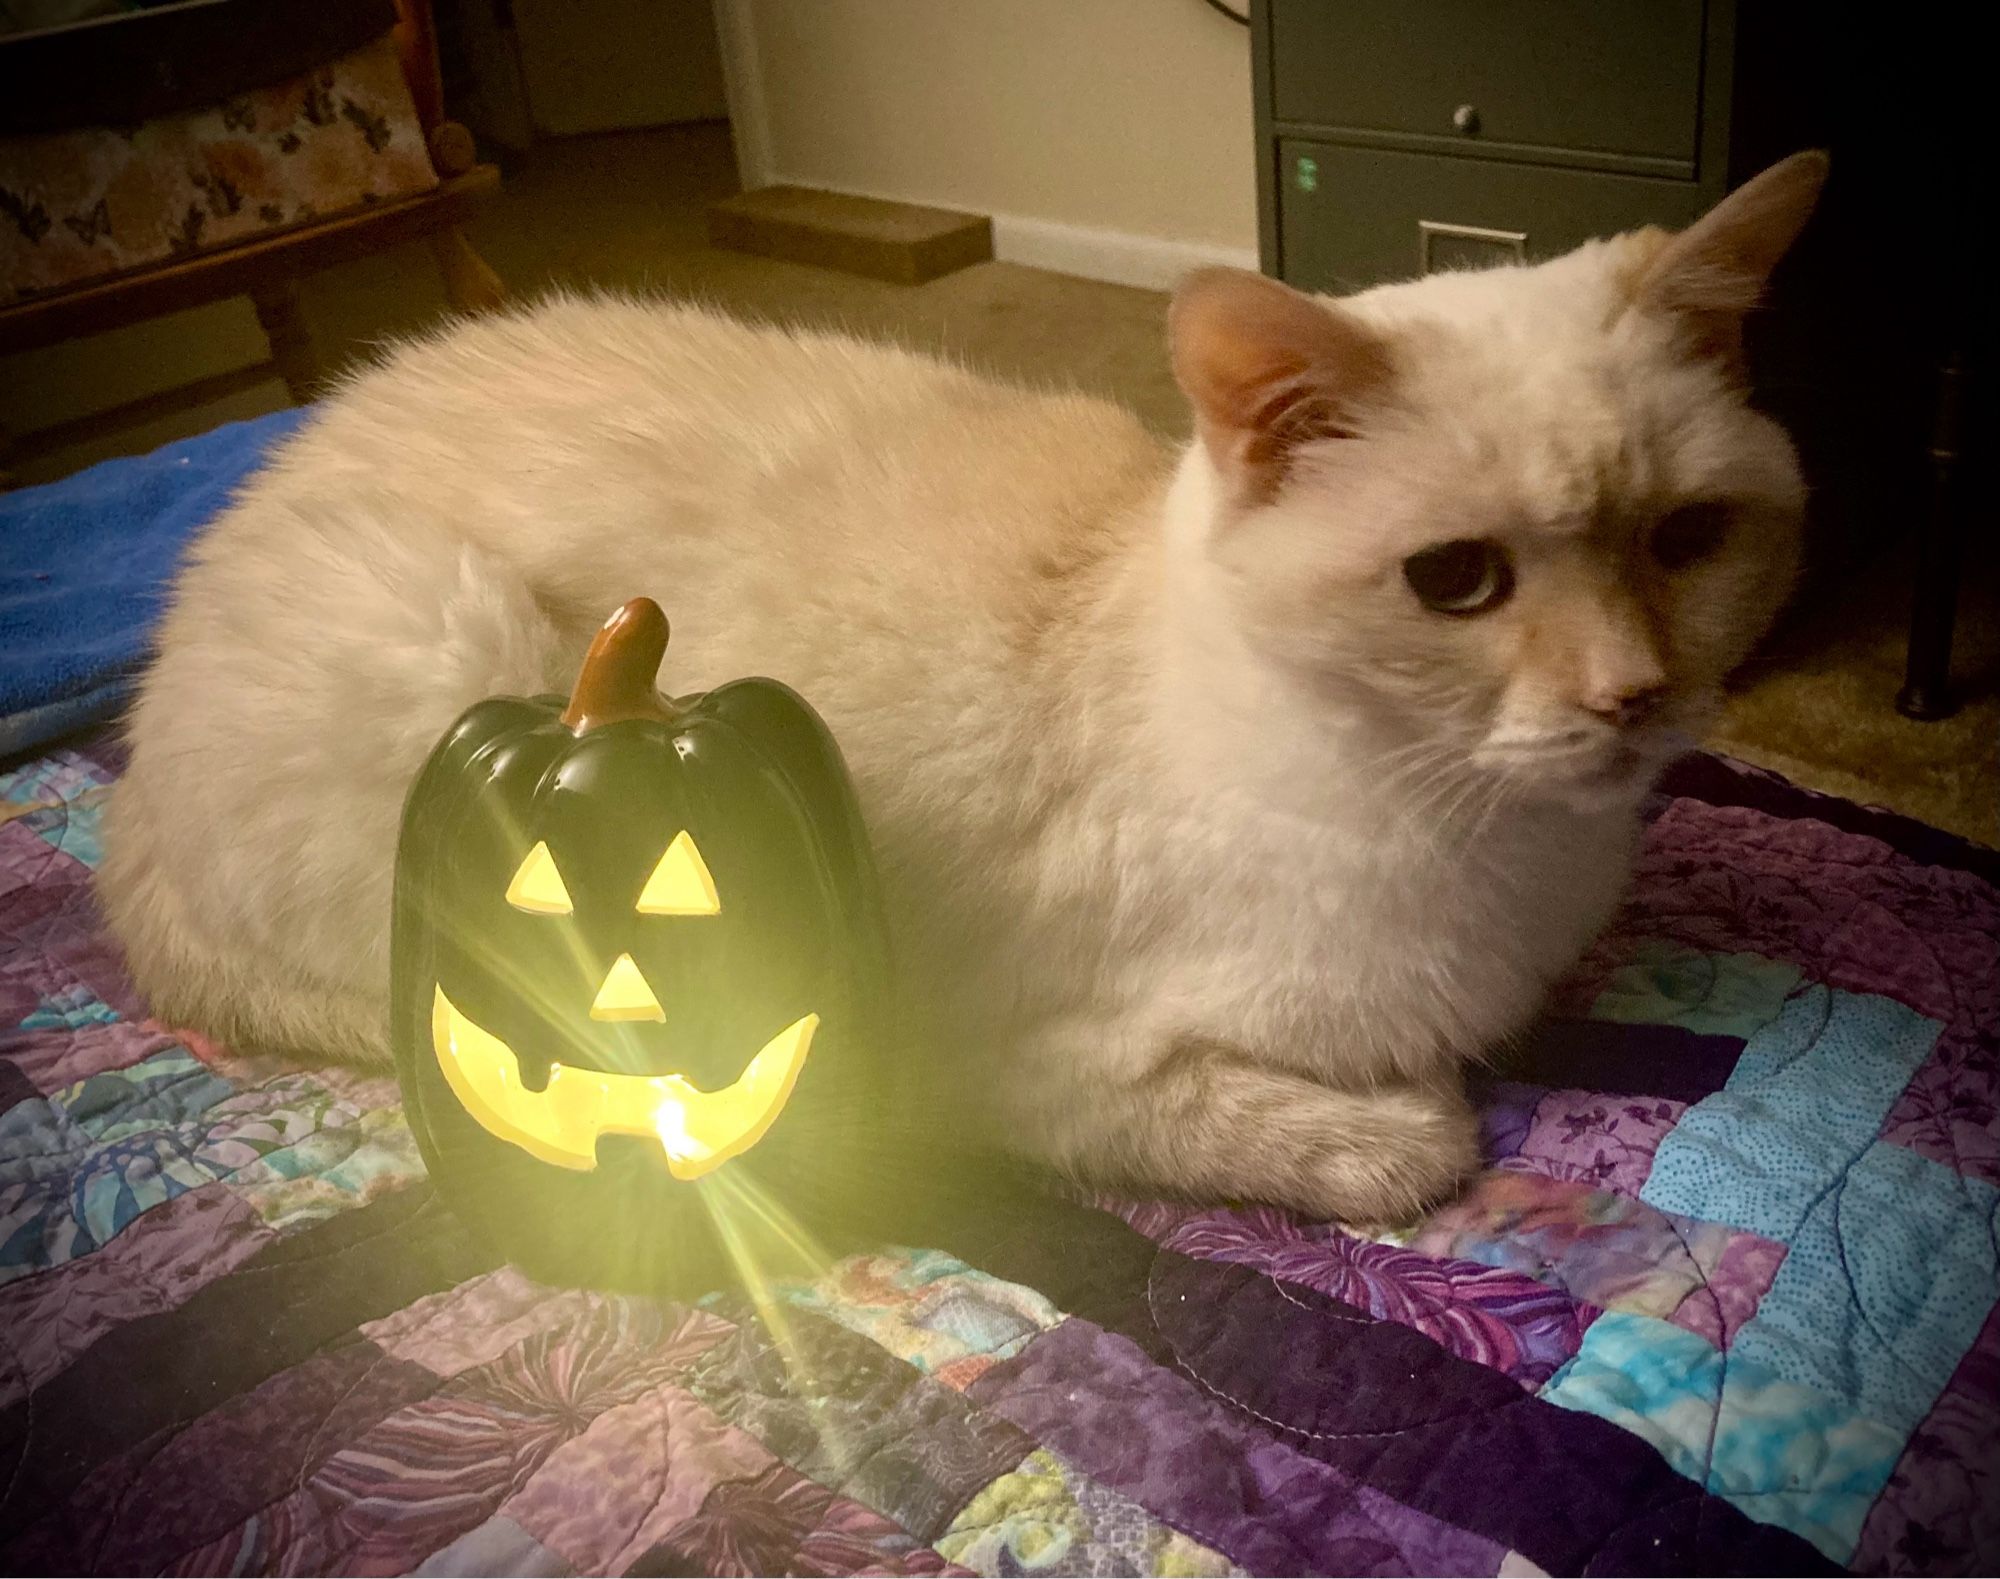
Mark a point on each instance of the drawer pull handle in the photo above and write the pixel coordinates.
(1431, 231)
(1466, 119)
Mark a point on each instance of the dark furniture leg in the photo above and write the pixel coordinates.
(469, 282)
(284, 324)
(1926, 689)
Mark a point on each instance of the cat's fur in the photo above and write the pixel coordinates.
(1211, 853)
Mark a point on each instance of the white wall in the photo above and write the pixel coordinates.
(1105, 137)
(596, 65)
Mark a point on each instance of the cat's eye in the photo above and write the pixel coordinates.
(1469, 576)
(1690, 534)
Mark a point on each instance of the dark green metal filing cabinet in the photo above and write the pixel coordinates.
(1400, 136)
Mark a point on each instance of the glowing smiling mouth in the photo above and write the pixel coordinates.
(560, 1124)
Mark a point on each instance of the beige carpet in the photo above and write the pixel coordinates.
(1818, 706)
(626, 211)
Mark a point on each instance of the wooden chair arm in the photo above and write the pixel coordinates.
(250, 266)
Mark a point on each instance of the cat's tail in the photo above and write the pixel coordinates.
(302, 678)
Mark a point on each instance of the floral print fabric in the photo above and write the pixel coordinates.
(82, 204)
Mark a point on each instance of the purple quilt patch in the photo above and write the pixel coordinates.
(161, 1259)
(1943, 1500)
(1500, 1318)
(1167, 1443)
(1598, 1141)
(777, 1521)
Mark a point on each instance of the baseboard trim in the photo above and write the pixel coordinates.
(1115, 256)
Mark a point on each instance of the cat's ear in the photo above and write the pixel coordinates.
(1711, 275)
(1268, 368)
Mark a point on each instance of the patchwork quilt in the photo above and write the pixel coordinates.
(1722, 1301)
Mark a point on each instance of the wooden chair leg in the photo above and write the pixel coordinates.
(469, 281)
(283, 321)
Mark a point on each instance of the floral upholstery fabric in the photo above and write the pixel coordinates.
(79, 205)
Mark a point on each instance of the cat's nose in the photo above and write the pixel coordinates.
(1628, 709)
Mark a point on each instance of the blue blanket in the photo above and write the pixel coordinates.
(84, 568)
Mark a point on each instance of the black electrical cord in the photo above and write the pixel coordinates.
(1222, 10)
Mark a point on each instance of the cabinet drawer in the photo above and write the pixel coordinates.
(1555, 74)
(1354, 217)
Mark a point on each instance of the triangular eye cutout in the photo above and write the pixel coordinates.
(680, 884)
(537, 886)
(625, 994)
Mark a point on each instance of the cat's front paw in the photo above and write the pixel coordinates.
(1411, 1152)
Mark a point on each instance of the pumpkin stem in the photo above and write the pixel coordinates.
(617, 680)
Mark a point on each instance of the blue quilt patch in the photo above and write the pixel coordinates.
(1890, 1270)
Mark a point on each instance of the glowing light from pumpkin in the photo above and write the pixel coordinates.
(680, 884)
(537, 886)
(670, 1123)
(776, 1258)
(562, 1123)
(626, 994)
(701, 1130)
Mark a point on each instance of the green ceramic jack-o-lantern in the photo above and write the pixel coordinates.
(638, 962)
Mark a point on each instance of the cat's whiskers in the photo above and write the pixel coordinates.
(1432, 758)
(1469, 790)
(1500, 793)
(1442, 789)
(1418, 810)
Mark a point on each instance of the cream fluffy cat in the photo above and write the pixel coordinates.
(1227, 801)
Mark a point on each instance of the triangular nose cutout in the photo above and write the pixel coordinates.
(625, 995)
